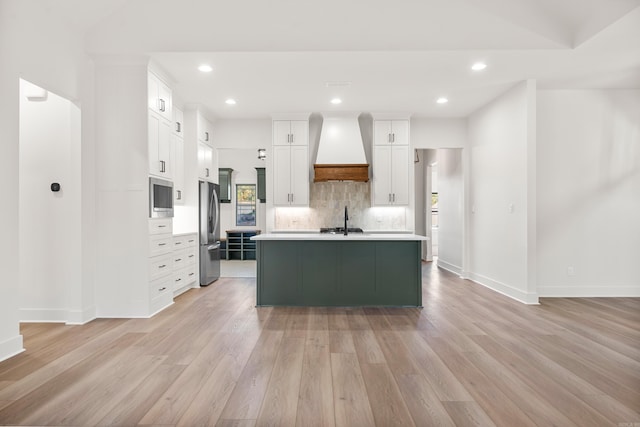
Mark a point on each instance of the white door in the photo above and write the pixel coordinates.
(382, 175)
(299, 175)
(400, 132)
(382, 132)
(300, 132)
(281, 175)
(400, 174)
(281, 132)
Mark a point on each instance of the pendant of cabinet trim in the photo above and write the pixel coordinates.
(391, 162)
(290, 163)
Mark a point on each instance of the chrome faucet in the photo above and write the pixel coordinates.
(346, 218)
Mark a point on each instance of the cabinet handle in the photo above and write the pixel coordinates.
(161, 244)
(162, 289)
(162, 166)
(162, 266)
(393, 137)
(178, 127)
(177, 280)
(207, 172)
(394, 197)
(161, 226)
(291, 197)
(190, 256)
(178, 243)
(206, 136)
(389, 197)
(162, 106)
(179, 194)
(191, 274)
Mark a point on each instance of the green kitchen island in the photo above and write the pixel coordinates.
(313, 269)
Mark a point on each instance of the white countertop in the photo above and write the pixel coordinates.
(334, 237)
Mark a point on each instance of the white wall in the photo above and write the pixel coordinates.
(49, 253)
(450, 187)
(243, 162)
(498, 200)
(438, 133)
(42, 42)
(588, 192)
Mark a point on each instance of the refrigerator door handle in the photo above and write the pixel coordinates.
(216, 204)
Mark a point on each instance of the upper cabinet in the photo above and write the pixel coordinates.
(160, 100)
(291, 132)
(391, 162)
(204, 130)
(290, 163)
(391, 132)
(205, 162)
(177, 145)
(160, 150)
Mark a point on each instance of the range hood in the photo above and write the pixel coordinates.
(341, 154)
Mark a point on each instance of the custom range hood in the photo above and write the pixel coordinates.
(341, 154)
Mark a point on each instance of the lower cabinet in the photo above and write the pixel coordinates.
(173, 263)
(160, 264)
(185, 266)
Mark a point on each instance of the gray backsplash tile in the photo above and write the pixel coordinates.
(326, 209)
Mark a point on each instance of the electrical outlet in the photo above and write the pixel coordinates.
(571, 271)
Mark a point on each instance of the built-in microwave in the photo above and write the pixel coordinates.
(160, 198)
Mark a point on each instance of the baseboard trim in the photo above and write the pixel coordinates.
(589, 292)
(11, 347)
(81, 317)
(504, 289)
(452, 268)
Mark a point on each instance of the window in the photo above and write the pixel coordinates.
(245, 204)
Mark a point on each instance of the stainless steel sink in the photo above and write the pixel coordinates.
(340, 230)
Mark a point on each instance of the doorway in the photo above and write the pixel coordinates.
(49, 205)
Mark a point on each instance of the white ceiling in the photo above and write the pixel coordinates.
(276, 56)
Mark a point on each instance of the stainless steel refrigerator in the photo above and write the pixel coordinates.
(209, 221)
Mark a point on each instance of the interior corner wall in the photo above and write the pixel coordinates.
(588, 193)
(450, 209)
(26, 46)
(497, 194)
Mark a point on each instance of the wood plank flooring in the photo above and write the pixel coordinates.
(469, 357)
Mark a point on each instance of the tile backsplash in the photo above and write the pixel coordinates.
(326, 209)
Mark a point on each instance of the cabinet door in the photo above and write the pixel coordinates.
(160, 150)
(178, 122)
(299, 175)
(382, 175)
(400, 174)
(382, 132)
(205, 162)
(281, 175)
(281, 132)
(299, 132)
(178, 169)
(165, 101)
(262, 189)
(400, 132)
(204, 130)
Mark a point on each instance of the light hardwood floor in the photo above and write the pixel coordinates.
(470, 357)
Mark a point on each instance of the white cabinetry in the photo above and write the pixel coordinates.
(391, 162)
(177, 145)
(205, 162)
(160, 151)
(160, 100)
(185, 265)
(160, 264)
(204, 129)
(160, 128)
(290, 163)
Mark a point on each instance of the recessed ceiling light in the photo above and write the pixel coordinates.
(230, 101)
(478, 66)
(336, 101)
(442, 100)
(205, 68)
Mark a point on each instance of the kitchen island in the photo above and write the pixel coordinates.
(360, 269)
